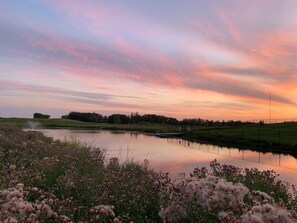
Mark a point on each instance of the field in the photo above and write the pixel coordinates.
(276, 138)
(67, 123)
(42, 180)
(282, 133)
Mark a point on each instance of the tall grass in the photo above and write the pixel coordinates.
(42, 180)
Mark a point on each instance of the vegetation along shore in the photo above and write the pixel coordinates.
(43, 180)
(277, 138)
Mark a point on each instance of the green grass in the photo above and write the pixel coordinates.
(282, 133)
(67, 123)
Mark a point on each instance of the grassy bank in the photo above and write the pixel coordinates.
(278, 138)
(67, 123)
(42, 180)
(282, 133)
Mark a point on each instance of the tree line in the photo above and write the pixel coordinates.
(211, 123)
(136, 118)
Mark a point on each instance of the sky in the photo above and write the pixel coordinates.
(185, 59)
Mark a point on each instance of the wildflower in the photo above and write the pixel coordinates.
(12, 167)
(268, 213)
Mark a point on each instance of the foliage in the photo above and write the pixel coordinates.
(266, 181)
(227, 194)
(52, 181)
(39, 115)
(118, 119)
(74, 181)
(86, 117)
(134, 118)
(210, 123)
(158, 119)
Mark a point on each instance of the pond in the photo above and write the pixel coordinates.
(176, 155)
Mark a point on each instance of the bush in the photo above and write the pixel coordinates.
(39, 115)
(85, 117)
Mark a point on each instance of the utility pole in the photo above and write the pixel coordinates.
(270, 107)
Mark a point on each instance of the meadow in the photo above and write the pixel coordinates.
(281, 133)
(42, 180)
(277, 138)
(68, 123)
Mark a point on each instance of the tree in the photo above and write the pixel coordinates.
(85, 116)
(39, 115)
(118, 119)
(135, 118)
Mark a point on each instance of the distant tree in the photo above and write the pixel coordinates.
(261, 122)
(135, 118)
(105, 118)
(118, 119)
(39, 115)
(202, 122)
(84, 116)
(152, 118)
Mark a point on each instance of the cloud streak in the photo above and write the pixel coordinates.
(128, 64)
(97, 98)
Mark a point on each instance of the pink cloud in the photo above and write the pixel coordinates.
(234, 56)
(125, 61)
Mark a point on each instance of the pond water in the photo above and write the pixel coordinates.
(176, 155)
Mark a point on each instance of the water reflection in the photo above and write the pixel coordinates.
(177, 155)
(248, 155)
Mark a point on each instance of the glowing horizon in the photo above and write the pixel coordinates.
(215, 60)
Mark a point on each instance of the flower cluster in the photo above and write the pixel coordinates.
(14, 207)
(268, 213)
(209, 194)
(103, 213)
(192, 199)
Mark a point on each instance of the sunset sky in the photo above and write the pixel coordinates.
(208, 59)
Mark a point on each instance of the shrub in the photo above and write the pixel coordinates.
(39, 115)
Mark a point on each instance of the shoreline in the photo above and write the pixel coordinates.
(258, 146)
(243, 144)
(165, 131)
